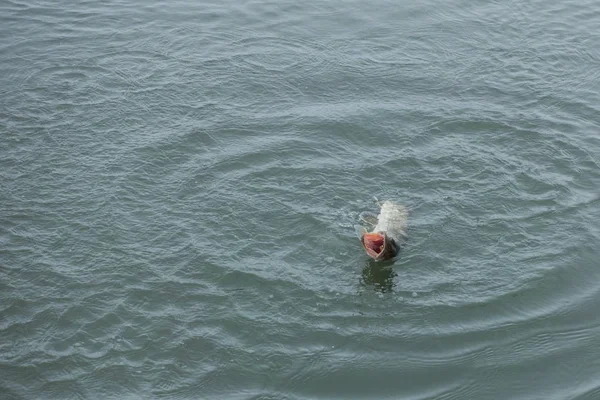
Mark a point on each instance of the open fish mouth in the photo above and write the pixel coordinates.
(374, 244)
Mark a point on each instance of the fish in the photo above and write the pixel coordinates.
(389, 230)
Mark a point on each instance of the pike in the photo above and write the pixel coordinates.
(383, 242)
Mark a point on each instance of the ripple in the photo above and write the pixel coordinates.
(181, 185)
(66, 84)
(277, 55)
(588, 391)
(131, 67)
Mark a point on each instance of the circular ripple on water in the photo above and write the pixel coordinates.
(61, 86)
(281, 55)
(132, 69)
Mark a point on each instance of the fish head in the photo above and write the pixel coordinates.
(378, 245)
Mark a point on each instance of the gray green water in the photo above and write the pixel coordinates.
(179, 183)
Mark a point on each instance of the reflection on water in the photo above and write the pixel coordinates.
(380, 275)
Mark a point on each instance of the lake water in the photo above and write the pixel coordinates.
(180, 183)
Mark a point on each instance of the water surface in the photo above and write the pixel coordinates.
(180, 181)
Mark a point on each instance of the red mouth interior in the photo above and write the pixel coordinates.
(374, 242)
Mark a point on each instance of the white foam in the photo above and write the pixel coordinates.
(392, 219)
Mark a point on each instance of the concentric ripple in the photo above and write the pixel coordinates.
(180, 184)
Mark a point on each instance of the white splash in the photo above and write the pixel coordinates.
(392, 219)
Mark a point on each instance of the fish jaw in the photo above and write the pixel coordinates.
(390, 224)
(378, 246)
